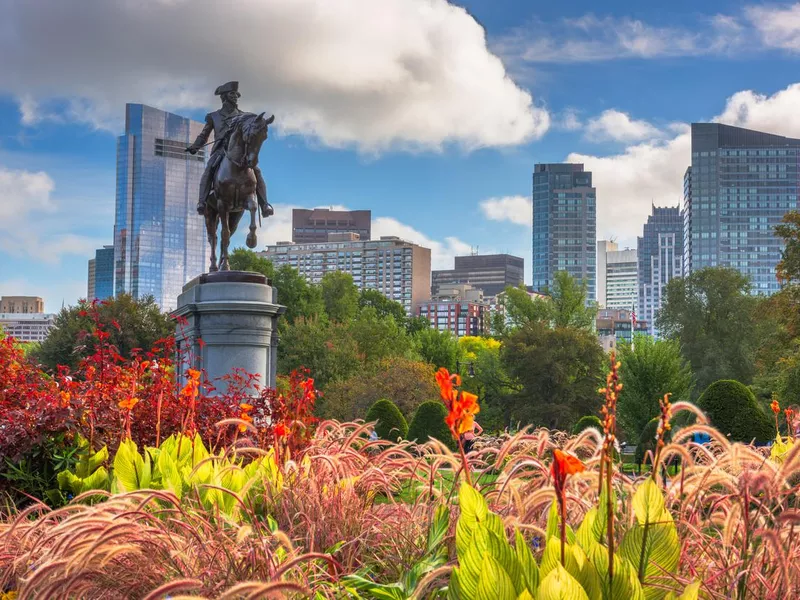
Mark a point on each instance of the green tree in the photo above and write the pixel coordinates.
(788, 269)
(407, 382)
(733, 410)
(378, 337)
(131, 324)
(390, 424)
(710, 314)
(383, 306)
(650, 368)
(586, 422)
(569, 304)
(300, 298)
(439, 348)
(415, 324)
(557, 371)
(520, 309)
(340, 296)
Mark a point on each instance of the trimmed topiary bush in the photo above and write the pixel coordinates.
(428, 422)
(586, 422)
(734, 411)
(647, 440)
(390, 423)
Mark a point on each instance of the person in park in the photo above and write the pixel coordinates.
(219, 122)
(468, 437)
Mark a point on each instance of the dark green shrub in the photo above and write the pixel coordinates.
(586, 422)
(428, 422)
(647, 441)
(733, 410)
(390, 422)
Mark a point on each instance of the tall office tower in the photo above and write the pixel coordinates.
(491, 273)
(741, 183)
(101, 274)
(90, 293)
(564, 225)
(616, 276)
(660, 256)
(313, 225)
(159, 239)
(398, 269)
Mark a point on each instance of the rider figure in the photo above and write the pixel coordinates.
(219, 122)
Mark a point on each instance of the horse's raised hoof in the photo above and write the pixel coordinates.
(251, 240)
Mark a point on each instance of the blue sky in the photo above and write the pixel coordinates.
(430, 115)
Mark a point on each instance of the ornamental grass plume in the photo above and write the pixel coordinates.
(461, 410)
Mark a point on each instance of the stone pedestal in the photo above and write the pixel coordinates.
(235, 314)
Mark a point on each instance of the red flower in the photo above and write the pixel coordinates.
(461, 406)
(281, 430)
(564, 464)
(776, 408)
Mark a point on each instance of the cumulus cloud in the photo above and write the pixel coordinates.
(370, 74)
(653, 171)
(442, 253)
(777, 26)
(591, 38)
(569, 120)
(613, 125)
(516, 209)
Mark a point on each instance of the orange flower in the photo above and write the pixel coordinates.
(128, 403)
(776, 408)
(281, 430)
(564, 464)
(461, 406)
(446, 382)
(65, 398)
(246, 407)
(247, 418)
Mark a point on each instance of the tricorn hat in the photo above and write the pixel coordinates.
(231, 86)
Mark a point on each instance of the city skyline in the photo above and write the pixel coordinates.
(449, 169)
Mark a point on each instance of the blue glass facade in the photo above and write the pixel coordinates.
(564, 225)
(739, 186)
(660, 259)
(159, 239)
(104, 272)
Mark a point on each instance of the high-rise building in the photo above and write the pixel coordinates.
(660, 258)
(159, 239)
(21, 304)
(564, 225)
(90, 293)
(617, 325)
(398, 269)
(616, 276)
(311, 226)
(26, 327)
(739, 186)
(459, 309)
(492, 273)
(101, 274)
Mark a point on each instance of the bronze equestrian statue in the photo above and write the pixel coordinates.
(232, 181)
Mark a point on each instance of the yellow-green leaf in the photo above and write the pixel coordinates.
(494, 582)
(527, 564)
(560, 585)
(648, 502)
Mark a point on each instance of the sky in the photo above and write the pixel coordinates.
(430, 113)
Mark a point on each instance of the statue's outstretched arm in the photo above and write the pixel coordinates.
(203, 137)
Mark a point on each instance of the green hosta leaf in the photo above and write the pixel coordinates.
(653, 550)
(527, 564)
(96, 481)
(586, 535)
(494, 582)
(560, 585)
(648, 502)
(131, 471)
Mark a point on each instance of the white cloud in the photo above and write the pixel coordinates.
(778, 27)
(23, 192)
(591, 38)
(442, 253)
(569, 120)
(653, 171)
(516, 209)
(371, 74)
(616, 126)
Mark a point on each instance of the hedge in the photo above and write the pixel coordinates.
(733, 410)
(428, 422)
(390, 424)
(586, 422)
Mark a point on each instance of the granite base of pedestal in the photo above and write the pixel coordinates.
(229, 320)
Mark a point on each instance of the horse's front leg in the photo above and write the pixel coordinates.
(211, 230)
(251, 240)
(225, 239)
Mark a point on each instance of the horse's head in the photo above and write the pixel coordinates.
(254, 132)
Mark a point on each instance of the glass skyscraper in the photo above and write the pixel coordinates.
(660, 256)
(101, 274)
(564, 225)
(738, 188)
(159, 239)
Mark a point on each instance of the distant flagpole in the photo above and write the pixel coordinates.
(633, 324)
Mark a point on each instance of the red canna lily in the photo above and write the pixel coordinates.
(563, 465)
(776, 408)
(281, 430)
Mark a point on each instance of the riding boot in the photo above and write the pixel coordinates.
(261, 194)
(201, 208)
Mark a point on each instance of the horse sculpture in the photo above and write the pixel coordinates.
(234, 186)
